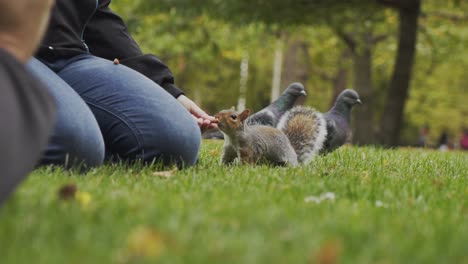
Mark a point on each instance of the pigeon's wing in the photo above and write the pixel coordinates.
(269, 116)
(264, 117)
(331, 134)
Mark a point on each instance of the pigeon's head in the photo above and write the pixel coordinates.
(230, 121)
(349, 98)
(296, 89)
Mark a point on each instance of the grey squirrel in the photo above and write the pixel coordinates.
(298, 137)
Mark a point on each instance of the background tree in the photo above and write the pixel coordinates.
(327, 45)
(408, 11)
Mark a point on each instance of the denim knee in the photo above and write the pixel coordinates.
(180, 145)
(76, 138)
(139, 120)
(71, 147)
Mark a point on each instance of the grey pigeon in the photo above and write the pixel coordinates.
(269, 116)
(338, 120)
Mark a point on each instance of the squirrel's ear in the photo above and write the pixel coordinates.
(243, 116)
(233, 108)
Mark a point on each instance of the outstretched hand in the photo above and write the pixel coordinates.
(203, 120)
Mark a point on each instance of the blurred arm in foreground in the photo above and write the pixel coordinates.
(26, 109)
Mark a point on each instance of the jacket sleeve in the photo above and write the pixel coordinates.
(107, 37)
(27, 113)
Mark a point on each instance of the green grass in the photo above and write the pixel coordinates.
(390, 206)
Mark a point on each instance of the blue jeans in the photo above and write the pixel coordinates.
(108, 111)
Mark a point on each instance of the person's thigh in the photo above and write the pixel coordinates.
(76, 139)
(139, 119)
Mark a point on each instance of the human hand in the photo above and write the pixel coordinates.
(22, 24)
(203, 120)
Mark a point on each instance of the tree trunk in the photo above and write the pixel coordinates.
(296, 62)
(340, 80)
(244, 77)
(392, 118)
(277, 65)
(362, 121)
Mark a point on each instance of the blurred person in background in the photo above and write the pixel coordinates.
(423, 137)
(464, 139)
(443, 141)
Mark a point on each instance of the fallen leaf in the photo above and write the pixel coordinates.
(84, 198)
(379, 203)
(438, 184)
(329, 253)
(145, 242)
(214, 152)
(67, 192)
(329, 169)
(324, 196)
(314, 199)
(365, 176)
(166, 174)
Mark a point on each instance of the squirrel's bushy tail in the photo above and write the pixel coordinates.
(306, 130)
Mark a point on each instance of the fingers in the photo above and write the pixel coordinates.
(203, 120)
(205, 124)
(194, 109)
(213, 126)
(198, 112)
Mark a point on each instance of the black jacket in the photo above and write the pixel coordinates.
(82, 26)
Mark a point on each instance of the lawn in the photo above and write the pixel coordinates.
(356, 205)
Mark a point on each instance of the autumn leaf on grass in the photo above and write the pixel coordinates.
(365, 176)
(166, 174)
(384, 162)
(363, 155)
(318, 199)
(329, 253)
(71, 192)
(439, 184)
(67, 191)
(83, 198)
(145, 242)
(379, 203)
(214, 152)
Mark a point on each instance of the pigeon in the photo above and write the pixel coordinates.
(269, 116)
(338, 120)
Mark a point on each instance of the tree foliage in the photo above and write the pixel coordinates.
(204, 41)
